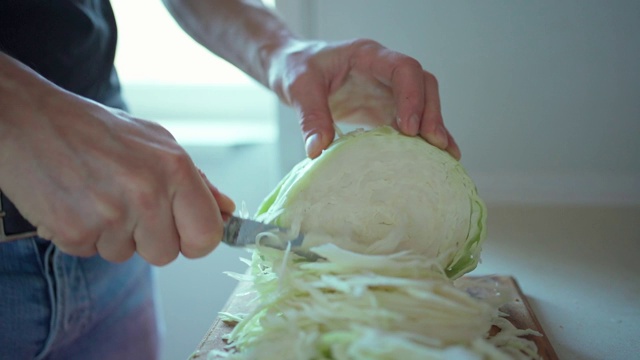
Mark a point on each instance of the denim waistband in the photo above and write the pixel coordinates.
(58, 306)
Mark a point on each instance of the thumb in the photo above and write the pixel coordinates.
(315, 120)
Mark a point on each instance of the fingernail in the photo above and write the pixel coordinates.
(438, 137)
(313, 145)
(442, 135)
(456, 153)
(410, 125)
(413, 125)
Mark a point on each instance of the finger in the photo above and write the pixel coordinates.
(453, 148)
(315, 117)
(226, 205)
(404, 75)
(116, 245)
(114, 233)
(155, 235)
(409, 94)
(432, 126)
(196, 216)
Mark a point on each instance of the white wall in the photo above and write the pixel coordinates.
(542, 96)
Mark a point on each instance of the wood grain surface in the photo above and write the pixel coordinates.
(520, 314)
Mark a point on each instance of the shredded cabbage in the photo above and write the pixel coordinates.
(395, 222)
(393, 307)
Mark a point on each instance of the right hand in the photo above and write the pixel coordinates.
(358, 81)
(95, 180)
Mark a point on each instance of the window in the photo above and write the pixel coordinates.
(169, 78)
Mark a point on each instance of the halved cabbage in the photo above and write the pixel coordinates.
(380, 192)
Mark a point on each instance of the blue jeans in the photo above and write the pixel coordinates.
(55, 306)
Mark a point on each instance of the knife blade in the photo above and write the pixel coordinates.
(247, 233)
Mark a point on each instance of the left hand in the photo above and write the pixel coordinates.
(357, 81)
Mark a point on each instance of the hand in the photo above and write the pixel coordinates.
(358, 81)
(95, 180)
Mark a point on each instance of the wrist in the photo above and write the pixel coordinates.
(24, 97)
(287, 61)
(273, 57)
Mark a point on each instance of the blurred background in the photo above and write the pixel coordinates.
(543, 98)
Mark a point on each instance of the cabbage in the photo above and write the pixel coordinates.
(374, 307)
(380, 192)
(394, 221)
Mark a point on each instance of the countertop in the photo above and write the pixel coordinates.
(579, 268)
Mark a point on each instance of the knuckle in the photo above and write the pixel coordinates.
(365, 44)
(431, 79)
(74, 237)
(145, 187)
(110, 214)
(407, 62)
(164, 258)
(119, 113)
(363, 50)
(74, 243)
(177, 162)
(144, 199)
(151, 126)
(159, 129)
(299, 83)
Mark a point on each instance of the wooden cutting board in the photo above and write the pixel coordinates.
(520, 314)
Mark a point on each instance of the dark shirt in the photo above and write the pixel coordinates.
(72, 43)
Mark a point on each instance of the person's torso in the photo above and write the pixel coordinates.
(70, 42)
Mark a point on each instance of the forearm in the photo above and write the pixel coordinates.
(11, 74)
(243, 32)
(19, 86)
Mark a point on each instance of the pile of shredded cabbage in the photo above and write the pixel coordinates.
(354, 306)
(392, 243)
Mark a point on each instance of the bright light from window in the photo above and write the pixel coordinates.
(169, 78)
(152, 48)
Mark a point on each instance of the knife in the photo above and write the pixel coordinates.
(238, 232)
(247, 233)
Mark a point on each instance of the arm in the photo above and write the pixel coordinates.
(243, 32)
(324, 82)
(95, 180)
